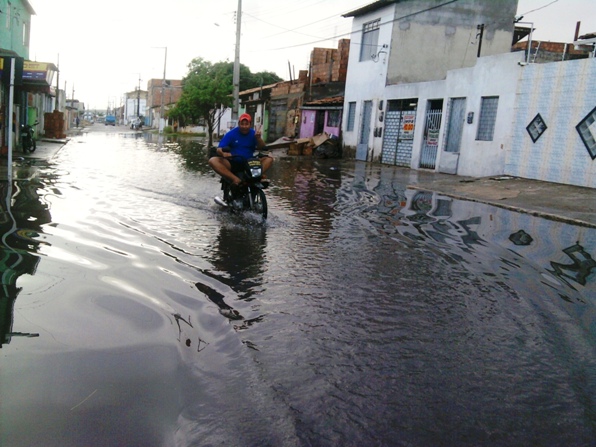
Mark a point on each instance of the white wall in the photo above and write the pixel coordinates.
(491, 76)
(130, 108)
(366, 80)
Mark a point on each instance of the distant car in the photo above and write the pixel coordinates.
(110, 120)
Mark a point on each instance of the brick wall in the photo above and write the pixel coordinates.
(330, 65)
(171, 93)
(543, 52)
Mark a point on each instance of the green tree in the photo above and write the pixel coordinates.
(207, 88)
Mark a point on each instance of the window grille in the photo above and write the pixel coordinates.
(370, 40)
(333, 118)
(488, 117)
(351, 116)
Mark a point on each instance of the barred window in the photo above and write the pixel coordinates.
(351, 116)
(333, 118)
(488, 117)
(370, 40)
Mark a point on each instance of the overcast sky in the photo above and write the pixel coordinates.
(104, 47)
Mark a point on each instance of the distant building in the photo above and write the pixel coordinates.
(135, 106)
(161, 96)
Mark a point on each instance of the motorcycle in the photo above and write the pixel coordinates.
(136, 124)
(28, 137)
(249, 195)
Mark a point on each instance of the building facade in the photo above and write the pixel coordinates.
(495, 114)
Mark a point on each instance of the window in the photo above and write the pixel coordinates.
(351, 116)
(488, 117)
(536, 128)
(587, 132)
(25, 35)
(333, 118)
(370, 40)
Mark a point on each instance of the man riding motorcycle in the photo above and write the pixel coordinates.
(242, 142)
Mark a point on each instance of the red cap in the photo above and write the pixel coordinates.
(245, 116)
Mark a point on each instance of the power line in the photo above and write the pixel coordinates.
(357, 32)
(281, 27)
(538, 9)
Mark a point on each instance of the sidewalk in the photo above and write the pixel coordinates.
(565, 203)
(571, 204)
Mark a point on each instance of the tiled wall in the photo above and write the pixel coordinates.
(563, 93)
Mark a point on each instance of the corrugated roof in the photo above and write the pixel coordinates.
(258, 89)
(325, 102)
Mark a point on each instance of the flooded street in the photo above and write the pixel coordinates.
(137, 312)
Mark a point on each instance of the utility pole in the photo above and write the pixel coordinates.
(163, 86)
(139, 99)
(58, 85)
(236, 77)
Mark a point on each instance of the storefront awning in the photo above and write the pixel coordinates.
(38, 76)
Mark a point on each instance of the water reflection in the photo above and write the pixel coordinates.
(578, 271)
(21, 217)
(481, 237)
(239, 262)
(192, 151)
(387, 316)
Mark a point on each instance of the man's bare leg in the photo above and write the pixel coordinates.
(222, 167)
(266, 163)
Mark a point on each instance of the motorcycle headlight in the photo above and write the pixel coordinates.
(255, 171)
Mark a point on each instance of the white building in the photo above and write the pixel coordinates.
(135, 105)
(437, 87)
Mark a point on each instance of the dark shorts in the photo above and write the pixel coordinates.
(237, 163)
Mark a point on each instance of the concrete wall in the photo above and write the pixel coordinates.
(365, 80)
(307, 127)
(491, 76)
(16, 21)
(424, 46)
(563, 93)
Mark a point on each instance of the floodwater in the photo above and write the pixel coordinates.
(136, 312)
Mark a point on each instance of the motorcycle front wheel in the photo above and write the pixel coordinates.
(259, 202)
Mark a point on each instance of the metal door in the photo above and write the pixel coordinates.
(399, 132)
(428, 156)
(277, 118)
(362, 148)
(457, 113)
(319, 122)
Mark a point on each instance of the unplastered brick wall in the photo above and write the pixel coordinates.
(330, 65)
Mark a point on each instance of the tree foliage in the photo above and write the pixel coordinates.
(208, 87)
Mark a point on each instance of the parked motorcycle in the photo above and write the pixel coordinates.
(136, 124)
(249, 195)
(28, 137)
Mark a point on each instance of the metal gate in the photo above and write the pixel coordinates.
(362, 148)
(277, 118)
(399, 132)
(457, 112)
(428, 157)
